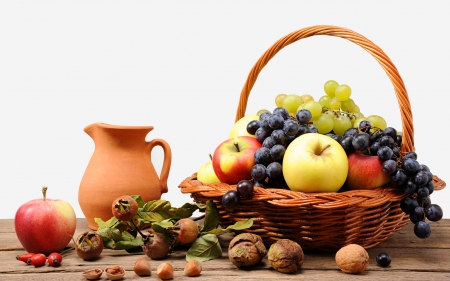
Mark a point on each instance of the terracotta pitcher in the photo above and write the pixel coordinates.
(120, 165)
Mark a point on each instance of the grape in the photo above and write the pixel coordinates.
(346, 143)
(314, 107)
(268, 142)
(386, 141)
(396, 152)
(383, 259)
(434, 212)
(324, 123)
(303, 116)
(408, 204)
(252, 126)
(330, 87)
(277, 152)
(422, 229)
(422, 192)
(424, 202)
(291, 103)
(312, 129)
(411, 155)
(398, 140)
(262, 184)
(262, 156)
(389, 131)
(264, 115)
(423, 167)
(231, 199)
(385, 153)
(341, 124)
(377, 121)
(414, 218)
(261, 111)
(410, 166)
(361, 141)
(421, 178)
(274, 170)
(348, 105)
(302, 129)
(279, 99)
(342, 92)
(409, 187)
(374, 148)
(279, 137)
(261, 134)
(364, 125)
(306, 98)
(264, 123)
(276, 121)
(399, 177)
(278, 183)
(290, 127)
(245, 189)
(335, 104)
(430, 186)
(258, 172)
(389, 166)
(350, 132)
(281, 111)
(335, 137)
(419, 211)
(325, 101)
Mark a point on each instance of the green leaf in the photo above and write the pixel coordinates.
(204, 248)
(139, 200)
(211, 217)
(240, 225)
(110, 233)
(159, 210)
(130, 244)
(112, 222)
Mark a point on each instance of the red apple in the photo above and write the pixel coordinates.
(45, 225)
(233, 159)
(365, 172)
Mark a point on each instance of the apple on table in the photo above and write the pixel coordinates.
(234, 159)
(45, 225)
(365, 171)
(315, 163)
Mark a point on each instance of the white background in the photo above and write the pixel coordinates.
(180, 66)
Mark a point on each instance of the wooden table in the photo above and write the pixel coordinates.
(412, 259)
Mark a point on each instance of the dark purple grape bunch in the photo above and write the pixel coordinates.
(244, 190)
(275, 131)
(405, 171)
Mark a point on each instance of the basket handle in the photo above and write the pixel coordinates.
(374, 50)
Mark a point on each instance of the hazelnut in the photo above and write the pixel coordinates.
(246, 249)
(352, 258)
(286, 256)
(193, 268)
(142, 267)
(165, 271)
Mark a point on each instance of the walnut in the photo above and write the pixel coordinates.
(286, 256)
(246, 249)
(352, 258)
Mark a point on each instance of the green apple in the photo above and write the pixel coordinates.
(315, 163)
(240, 127)
(206, 173)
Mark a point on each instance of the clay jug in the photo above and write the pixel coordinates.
(120, 165)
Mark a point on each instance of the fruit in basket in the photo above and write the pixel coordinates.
(365, 172)
(315, 163)
(352, 258)
(286, 256)
(231, 199)
(233, 159)
(206, 173)
(246, 249)
(45, 225)
(240, 127)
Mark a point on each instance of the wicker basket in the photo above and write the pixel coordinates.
(321, 221)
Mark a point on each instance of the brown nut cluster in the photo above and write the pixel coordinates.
(286, 256)
(246, 249)
(352, 258)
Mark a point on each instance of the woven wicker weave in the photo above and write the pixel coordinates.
(322, 221)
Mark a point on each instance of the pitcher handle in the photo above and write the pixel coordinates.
(166, 164)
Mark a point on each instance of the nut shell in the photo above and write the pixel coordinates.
(92, 274)
(286, 256)
(246, 249)
(114, 272)
(352, 258)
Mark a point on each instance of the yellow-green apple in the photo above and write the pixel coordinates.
(206, 173)
(365, 172)
(233, 159)
(240, 127)
(45, 225)
(315, 163)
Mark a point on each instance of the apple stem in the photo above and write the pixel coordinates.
(325, 148)
(237, 146)
(44, 192)
(210, 156)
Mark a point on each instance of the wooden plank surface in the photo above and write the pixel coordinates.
(412, 259)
